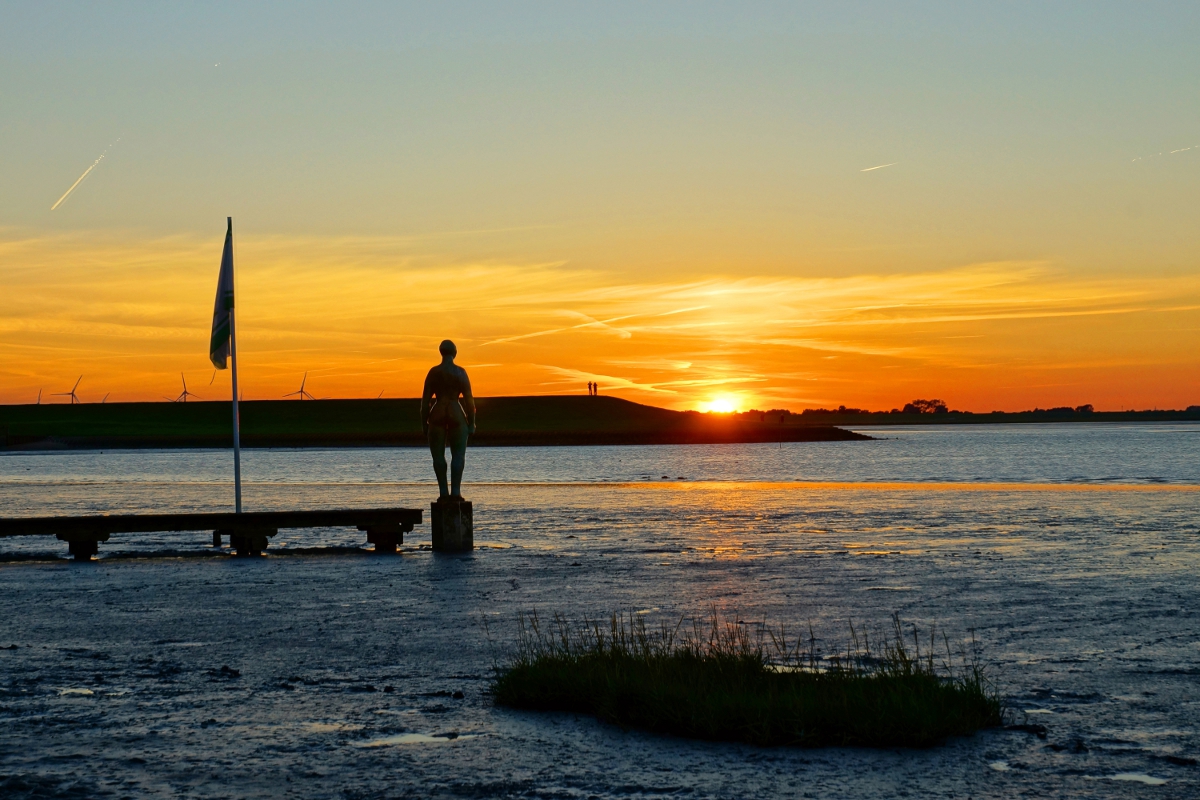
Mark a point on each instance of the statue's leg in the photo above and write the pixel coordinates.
(458, 458)
(437, 448)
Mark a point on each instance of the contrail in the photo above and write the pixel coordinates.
(81, 177)
(881, 166)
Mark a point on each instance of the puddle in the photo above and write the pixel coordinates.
(418, 738)
(796, 668)
(330, 727)
(1000, 766)
(1133, 777)
(77, 692)
(1038, 711)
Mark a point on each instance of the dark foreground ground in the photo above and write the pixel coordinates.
(351, 676)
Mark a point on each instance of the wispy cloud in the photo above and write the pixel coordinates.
(1168, 153)
(67, 193)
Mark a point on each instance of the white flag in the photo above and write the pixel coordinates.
(218, 346)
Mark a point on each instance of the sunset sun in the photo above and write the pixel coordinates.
(722, 405)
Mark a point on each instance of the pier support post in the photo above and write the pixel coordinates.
(386, 537)
(82, 546)
(453, 525)
(250, 542)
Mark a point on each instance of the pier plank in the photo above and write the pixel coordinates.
(364, 518)
(248, 532)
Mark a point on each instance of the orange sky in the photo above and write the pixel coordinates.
(364, 315)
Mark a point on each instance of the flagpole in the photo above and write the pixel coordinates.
(237, 437)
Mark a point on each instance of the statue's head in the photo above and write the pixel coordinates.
(447, 349)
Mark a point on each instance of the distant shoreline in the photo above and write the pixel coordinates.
(540, 421)
(994, 418)
(503, 422)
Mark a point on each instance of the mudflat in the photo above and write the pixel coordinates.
(322, 671)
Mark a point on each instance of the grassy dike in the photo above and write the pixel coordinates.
(720, 682)
(546, 420)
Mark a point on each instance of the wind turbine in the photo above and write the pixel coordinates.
(71, 394)
(303, 395)
(185, 394)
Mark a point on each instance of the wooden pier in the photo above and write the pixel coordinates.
(248, 532)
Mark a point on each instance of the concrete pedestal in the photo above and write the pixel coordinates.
(453, 526)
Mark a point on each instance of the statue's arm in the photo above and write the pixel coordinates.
(426, 397)
(468, 402)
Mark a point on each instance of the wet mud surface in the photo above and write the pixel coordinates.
(341, 674)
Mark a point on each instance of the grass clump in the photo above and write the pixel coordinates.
(724, 681)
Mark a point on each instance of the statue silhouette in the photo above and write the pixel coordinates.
(445, 422)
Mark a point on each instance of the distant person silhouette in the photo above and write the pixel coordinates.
(445, 422)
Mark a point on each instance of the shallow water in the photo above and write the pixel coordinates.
(1071, 550)
(1065, 453)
